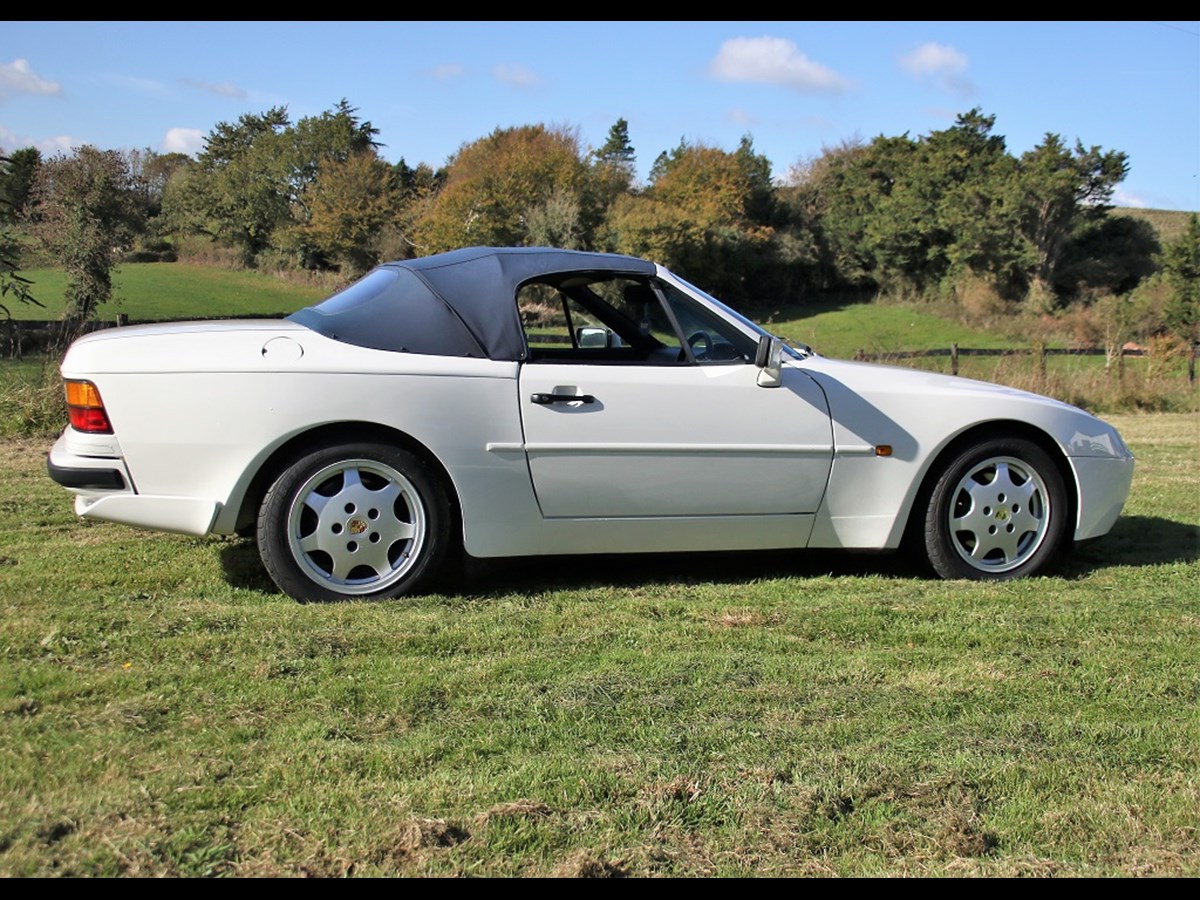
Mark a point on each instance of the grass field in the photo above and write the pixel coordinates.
(175, 291)
(163, 711)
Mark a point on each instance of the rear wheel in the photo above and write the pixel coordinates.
(360, 520)
(997, 512)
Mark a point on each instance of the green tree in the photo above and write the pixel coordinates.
(613, 167)
(238, 193)
(253, 179)
(17, 174)
(919, 215)
(417, 183)
(150, 171)
(843, 190)
(1181, 267)
(12, 283)
(1060, 193)
(617, 149)
(85, 212)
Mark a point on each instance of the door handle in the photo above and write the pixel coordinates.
(544, 399)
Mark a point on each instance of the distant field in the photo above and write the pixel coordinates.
(1168, 223)
(175, 291)
(876, 328)
(182, 291)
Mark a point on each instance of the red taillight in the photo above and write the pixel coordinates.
(85, 408)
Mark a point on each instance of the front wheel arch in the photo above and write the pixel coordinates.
(913, 536)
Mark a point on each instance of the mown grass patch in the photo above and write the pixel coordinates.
(164, 712)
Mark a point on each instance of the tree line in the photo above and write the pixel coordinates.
(937, 215)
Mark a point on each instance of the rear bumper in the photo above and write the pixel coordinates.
(103, 479)
(104, 489)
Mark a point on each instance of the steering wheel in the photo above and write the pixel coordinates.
(700, 339)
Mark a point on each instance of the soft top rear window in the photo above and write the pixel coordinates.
(362, 291)
(391, 308)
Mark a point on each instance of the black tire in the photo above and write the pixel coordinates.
(357, 521)
(998, 511)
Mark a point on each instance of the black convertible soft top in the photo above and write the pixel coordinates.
(461, 303)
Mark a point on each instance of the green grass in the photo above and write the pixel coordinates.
(840, 331)
(175, 291)
(164, 712)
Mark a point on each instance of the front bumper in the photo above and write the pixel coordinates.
(1103, 487)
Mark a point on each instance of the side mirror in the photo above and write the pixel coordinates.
(591, 337)
(769, 359)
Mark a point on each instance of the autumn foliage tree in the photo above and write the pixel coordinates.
(708, 213)
(497, 184)
(348, 204)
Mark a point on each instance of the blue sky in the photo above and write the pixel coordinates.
(793, 87)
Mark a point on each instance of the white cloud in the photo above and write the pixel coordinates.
(224, 89)
(17, 78)
(934, 59)
(447, 71)
(1145, 199)
(183, 140)
(739, 116)
(516, 75)
(147, 85)
(940, 65)
(1124, 198)
(62, 143)
(771, 60)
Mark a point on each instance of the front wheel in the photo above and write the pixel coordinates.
(363, 521)
(997, 512)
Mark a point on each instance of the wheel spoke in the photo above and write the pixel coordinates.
(316, 502)
(311, 542)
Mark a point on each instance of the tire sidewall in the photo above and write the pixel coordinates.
(939, 542)
(290, 574)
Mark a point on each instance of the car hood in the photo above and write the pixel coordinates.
(868, 400)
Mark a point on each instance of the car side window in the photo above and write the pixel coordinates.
(607, 319)
(597, 319)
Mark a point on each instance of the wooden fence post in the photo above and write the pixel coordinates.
(954, 358)
(1192, 363)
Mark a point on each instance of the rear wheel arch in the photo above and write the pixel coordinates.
(334, 434)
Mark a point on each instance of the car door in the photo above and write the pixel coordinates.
(684, 433)
(673, 441)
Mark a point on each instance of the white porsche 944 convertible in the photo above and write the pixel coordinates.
(518, 402)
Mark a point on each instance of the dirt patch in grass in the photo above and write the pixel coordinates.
(583, 864)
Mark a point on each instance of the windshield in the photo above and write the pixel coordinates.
(798, 351)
